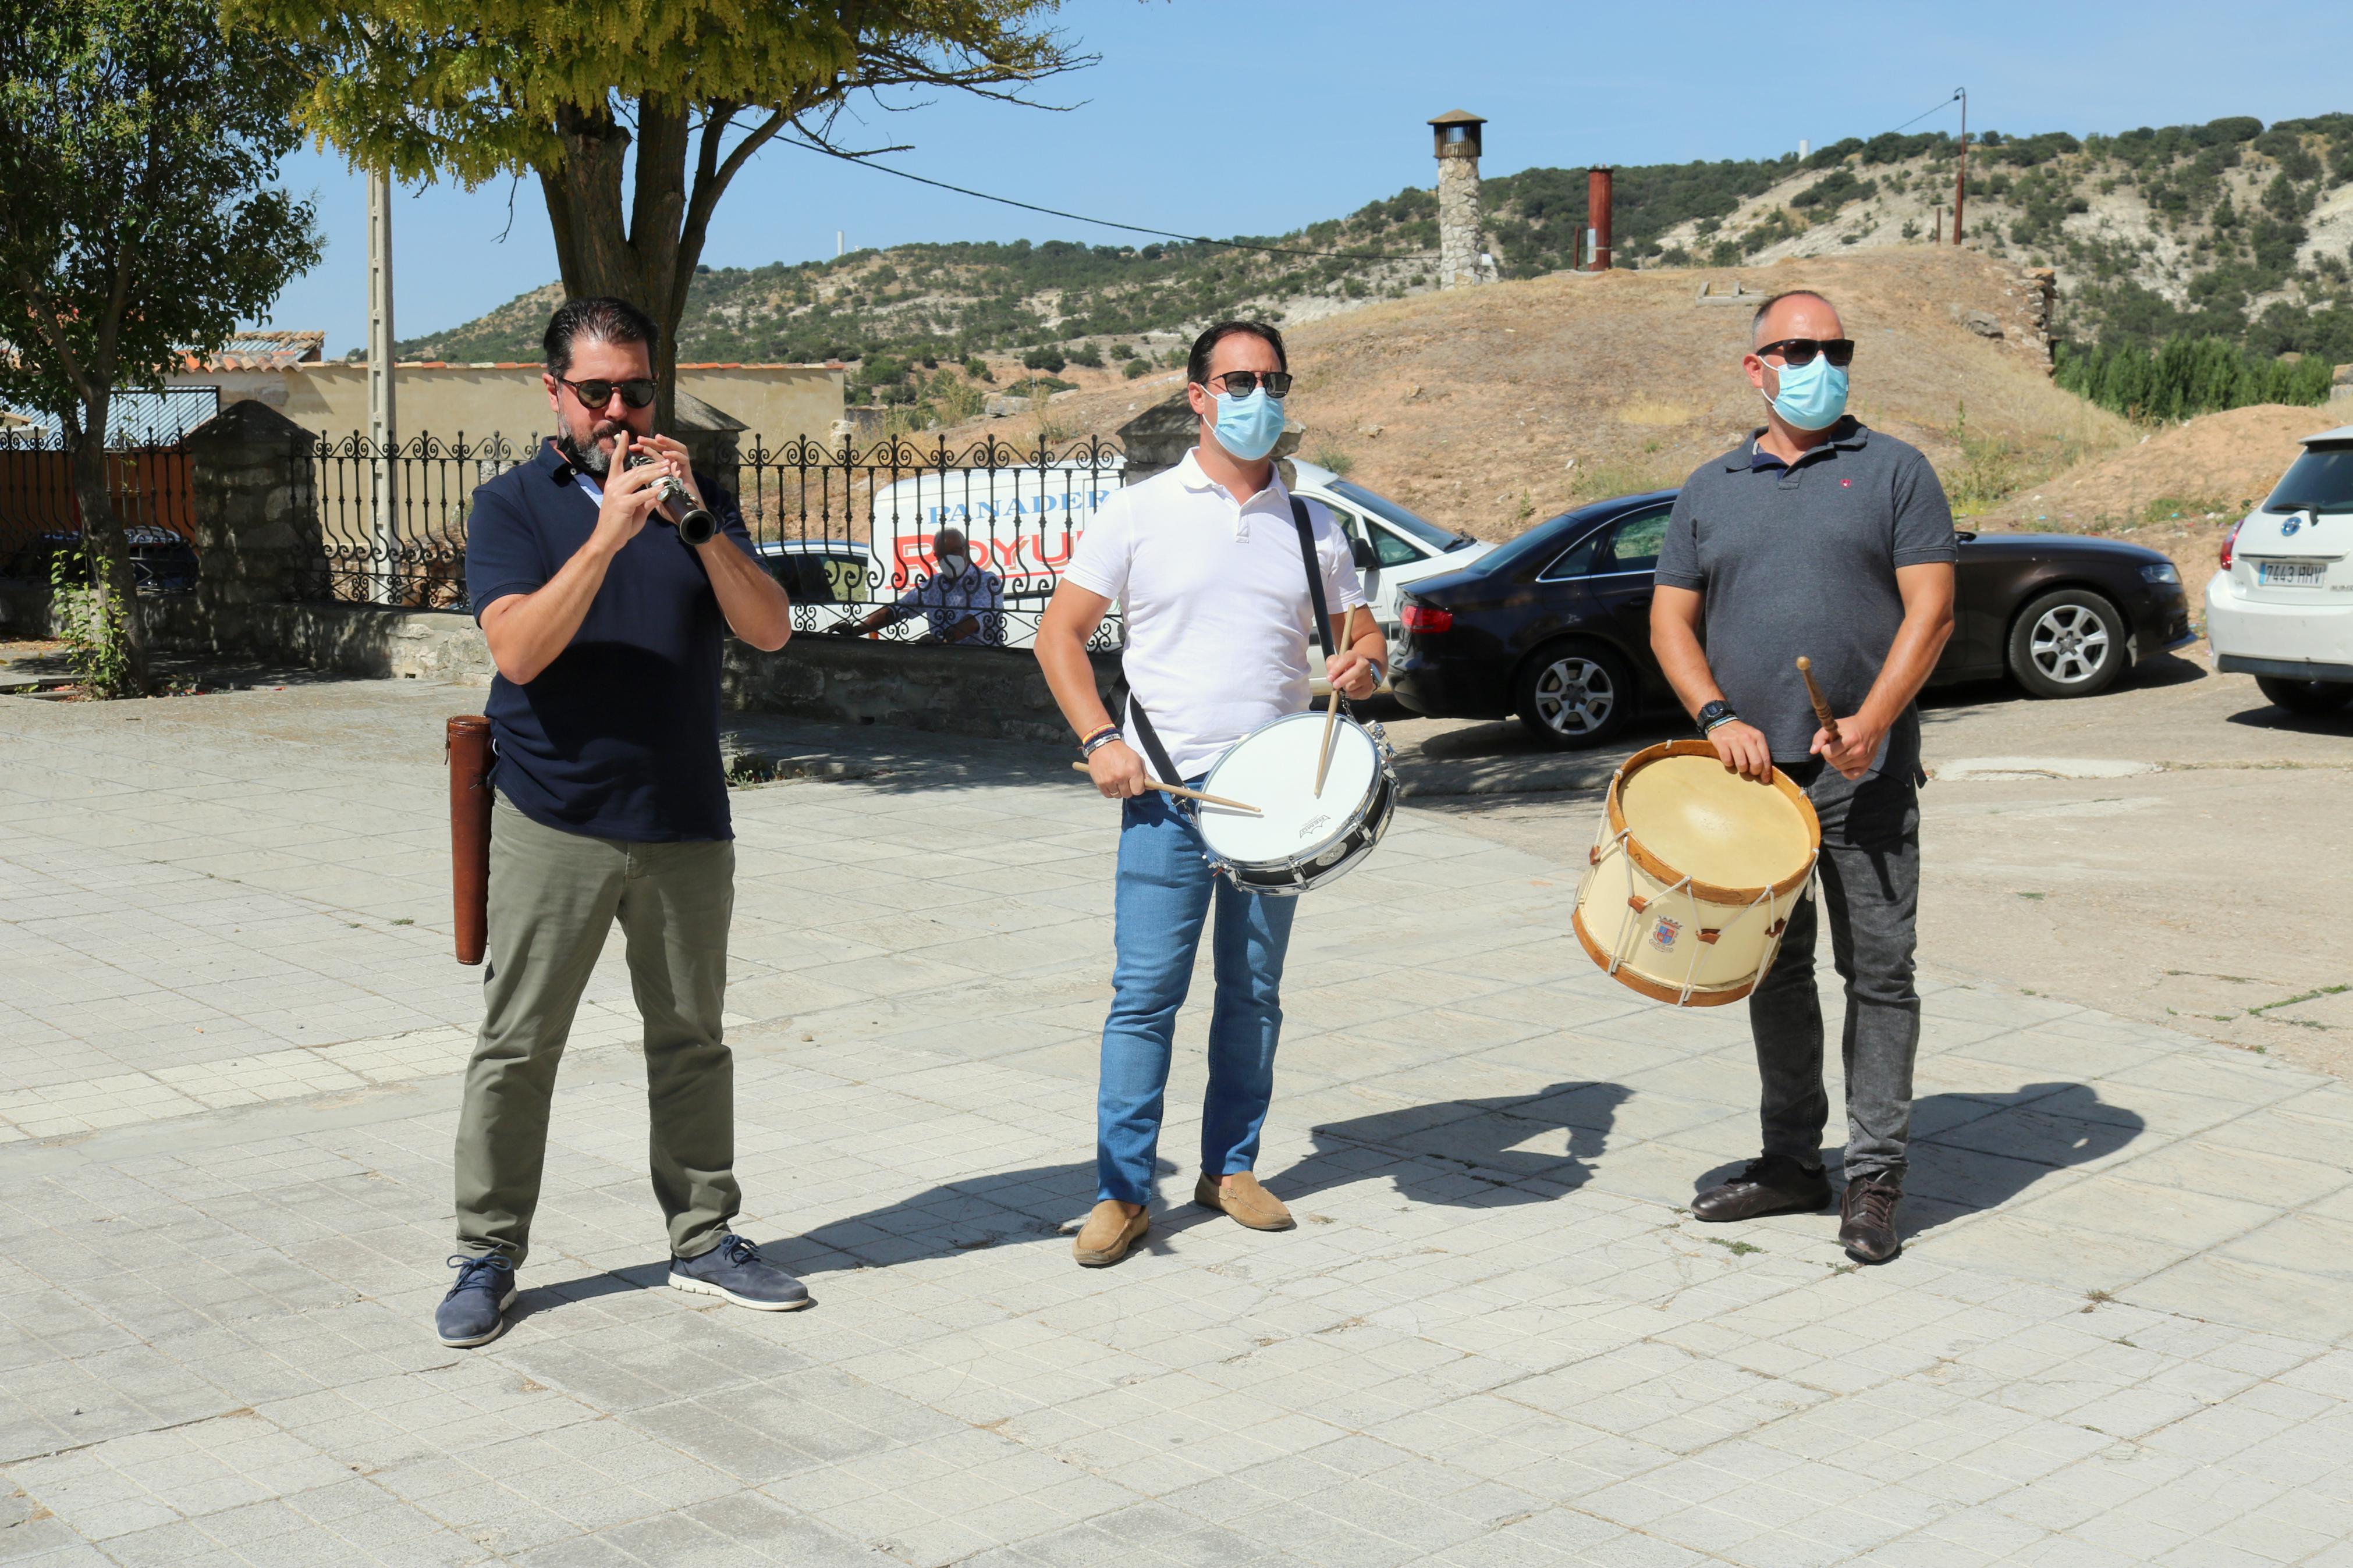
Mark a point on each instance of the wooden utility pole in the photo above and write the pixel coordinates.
(1961, 180)
(384, 532)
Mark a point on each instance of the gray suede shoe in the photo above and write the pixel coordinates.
(735, 1271)
(475, 1309)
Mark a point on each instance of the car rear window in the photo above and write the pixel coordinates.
(2320, 480)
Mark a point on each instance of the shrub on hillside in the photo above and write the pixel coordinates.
(1050, 360)
(1086, 355)
(2187, 376)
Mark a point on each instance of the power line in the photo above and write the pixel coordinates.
(1107, 223)
(1918, 118)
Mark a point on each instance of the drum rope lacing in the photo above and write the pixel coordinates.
(1622, 949)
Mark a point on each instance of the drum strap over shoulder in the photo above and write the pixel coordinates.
(1315, 585)
(1122, 700)
(1314, 574)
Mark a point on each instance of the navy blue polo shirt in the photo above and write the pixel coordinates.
(619, 738)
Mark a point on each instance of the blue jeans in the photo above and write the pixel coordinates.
(1163, 895)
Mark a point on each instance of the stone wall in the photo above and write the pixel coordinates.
(1459, 242)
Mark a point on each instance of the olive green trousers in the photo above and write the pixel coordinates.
(553, 896)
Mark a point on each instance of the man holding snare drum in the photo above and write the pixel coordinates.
(1205, 562)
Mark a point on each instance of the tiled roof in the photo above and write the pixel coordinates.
(260, 351)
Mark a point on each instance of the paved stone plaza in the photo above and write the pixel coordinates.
(230, 1039)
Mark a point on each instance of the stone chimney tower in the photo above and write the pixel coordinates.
(1460, 248)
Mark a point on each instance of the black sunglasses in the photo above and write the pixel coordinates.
(1839, 351)
(1243, 383)
(597, 394)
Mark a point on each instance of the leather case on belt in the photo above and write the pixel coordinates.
(469, 831)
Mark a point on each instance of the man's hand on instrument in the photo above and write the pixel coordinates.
(676, 462)
(629, 498)
(1743, 750)
(1117, 770)
(1351, 675)
(1857, 747)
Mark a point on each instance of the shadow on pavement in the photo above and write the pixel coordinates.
(2269, 717)
(1499, 1143)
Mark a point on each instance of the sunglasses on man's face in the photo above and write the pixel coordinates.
(1243, 383)
(1839, 351)
(597, 393)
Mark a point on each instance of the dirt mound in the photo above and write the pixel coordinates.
(1490, 408)
(2178, 490)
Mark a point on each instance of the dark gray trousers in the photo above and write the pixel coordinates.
(1871, 885)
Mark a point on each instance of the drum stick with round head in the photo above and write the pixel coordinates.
(1187, 793)
(1821, 704)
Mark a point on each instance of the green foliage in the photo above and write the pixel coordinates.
(1050, 360)
(137, 151)
(1835, 190)
(1086, 355)
(1138, 369)
(89, 622)
(2188, 376)
(1334, 459)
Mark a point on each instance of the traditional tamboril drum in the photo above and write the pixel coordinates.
(1300, 839)
(1690, 879)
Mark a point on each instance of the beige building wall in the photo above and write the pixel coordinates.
(776, 403)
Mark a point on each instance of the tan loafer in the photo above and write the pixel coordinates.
(1107, 1235)
(1240, 1196)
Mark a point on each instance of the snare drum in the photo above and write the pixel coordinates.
(1302, 840)
(1689, 883)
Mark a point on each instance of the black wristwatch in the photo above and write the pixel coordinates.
(1716, 713)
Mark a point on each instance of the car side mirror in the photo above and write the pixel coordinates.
(1360, 551)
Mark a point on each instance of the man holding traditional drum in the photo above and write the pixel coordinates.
(1205, 562)
(1821, 538)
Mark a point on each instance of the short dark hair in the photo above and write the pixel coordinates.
(1756, 321)
(1197, 367)
(603, 320)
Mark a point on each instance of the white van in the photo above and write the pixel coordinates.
(1021, 523)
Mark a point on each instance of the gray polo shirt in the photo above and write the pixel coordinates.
(1802, 561)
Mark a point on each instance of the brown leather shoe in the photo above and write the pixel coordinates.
(1773, 1184)
(1109, 1233)
(1240, 1196)
(1867, 1219)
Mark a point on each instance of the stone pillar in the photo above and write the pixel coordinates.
(1460, 249)
(255, 496)
(714, 440)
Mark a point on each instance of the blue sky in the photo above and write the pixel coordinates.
(1228, 117)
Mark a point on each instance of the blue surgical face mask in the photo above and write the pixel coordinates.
(1813, 394)
(1248, 427)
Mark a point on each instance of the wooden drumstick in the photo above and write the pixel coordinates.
(1821, 704)
(1331, 711)
(1188, 793)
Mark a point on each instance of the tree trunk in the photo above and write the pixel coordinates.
(109, 546)
(636, 259)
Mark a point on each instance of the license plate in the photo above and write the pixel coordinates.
(2290, 573)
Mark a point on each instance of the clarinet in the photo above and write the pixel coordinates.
(695, 524)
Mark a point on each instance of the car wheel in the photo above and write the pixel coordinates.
(2070, 643)
(2312, 697)
(1575, 694)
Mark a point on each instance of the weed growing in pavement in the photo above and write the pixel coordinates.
(2093, 1298)
(88, 622)
(1738, 1248)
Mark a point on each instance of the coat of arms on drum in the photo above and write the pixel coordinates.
(1664, 933)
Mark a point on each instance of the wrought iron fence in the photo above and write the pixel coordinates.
(850, 533)
(414, 553)
(40, 513)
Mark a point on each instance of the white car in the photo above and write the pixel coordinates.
(1021, 523)
(2281, 608)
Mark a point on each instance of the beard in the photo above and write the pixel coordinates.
(590, 457)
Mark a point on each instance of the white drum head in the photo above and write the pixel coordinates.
(1273, 768)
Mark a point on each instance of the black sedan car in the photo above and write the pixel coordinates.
(1556, 625)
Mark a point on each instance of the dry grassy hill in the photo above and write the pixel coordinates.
(2178, 490)
(1488, 408)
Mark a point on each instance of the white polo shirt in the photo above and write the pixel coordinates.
(1220, 631)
